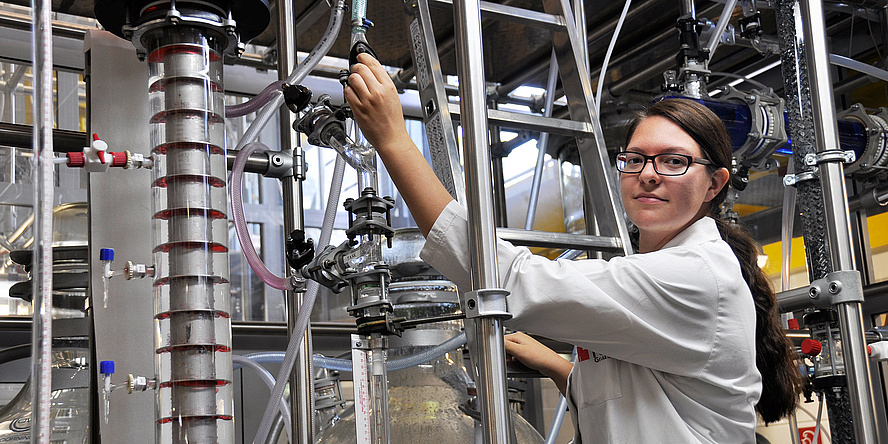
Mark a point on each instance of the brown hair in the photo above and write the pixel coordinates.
(781, 379)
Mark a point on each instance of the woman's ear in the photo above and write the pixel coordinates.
(718, 180)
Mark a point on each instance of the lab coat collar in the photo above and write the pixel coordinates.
(704, 230)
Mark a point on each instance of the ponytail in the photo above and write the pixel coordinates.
(781, 380)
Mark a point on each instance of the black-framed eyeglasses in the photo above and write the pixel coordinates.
(665, 164)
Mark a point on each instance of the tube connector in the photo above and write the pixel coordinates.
(96, 158)
(139, 383)
(137, 271)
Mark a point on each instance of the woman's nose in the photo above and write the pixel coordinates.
(648, 172)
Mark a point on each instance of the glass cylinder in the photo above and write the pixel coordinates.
(194, 401)
(428, 403)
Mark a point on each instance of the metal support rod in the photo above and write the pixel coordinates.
(837, 221)
(687, 8)
(41, 332)
(302, 378)
(542, 144)
(488, 350)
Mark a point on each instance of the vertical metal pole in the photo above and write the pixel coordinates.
(838, 222)
(542, 144)
(41, 330)
(687, 8)
(488, 350)
(302, 379)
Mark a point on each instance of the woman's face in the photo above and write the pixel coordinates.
(663, 206)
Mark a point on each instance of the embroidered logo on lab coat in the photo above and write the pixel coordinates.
(584, 355)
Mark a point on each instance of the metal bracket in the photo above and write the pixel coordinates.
(486, 303)
(790, 180)
(836, 288)
(814, 159)
(359, 343)
(280, 165)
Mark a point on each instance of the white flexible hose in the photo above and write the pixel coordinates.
(610, 50)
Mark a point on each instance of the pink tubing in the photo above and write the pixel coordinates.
(240, 223)
(256, 103)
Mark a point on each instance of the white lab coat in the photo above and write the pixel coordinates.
(667, 338)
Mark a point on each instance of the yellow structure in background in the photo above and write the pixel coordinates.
(878, 237)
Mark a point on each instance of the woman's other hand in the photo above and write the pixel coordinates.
(533, 354)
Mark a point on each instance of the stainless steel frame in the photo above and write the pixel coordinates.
(837, 221)
(302, 378)
(487, 349)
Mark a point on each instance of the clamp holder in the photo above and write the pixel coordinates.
(790, 180)
(836, 288)
(814, 159)
(486, 303)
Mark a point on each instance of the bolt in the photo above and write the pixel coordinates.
(277, 160)
(470, 304)
(835, 287)
(358, 344)
(813, 292)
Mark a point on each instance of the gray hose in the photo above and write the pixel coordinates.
(276, 429)
(266, 377)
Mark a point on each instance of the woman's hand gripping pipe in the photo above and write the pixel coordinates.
(377, 109)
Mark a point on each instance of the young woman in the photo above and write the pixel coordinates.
(674, 343)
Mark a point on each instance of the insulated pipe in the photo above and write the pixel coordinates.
(487, 349)
(838, 222)
(193, 341)
(302, 378)
(41, 329)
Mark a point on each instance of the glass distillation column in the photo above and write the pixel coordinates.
(192, 323)
(184, 43)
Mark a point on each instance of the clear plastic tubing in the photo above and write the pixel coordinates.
(274, 102)
(256, 103)
(610, 51)
(393, 365)
(41, 330)
(240, 223)
(304, 311)
(308, 64)
(265, 376)
(194, 401)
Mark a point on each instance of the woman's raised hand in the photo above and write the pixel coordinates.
(374, 101)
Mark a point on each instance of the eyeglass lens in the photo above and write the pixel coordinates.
(666, 164)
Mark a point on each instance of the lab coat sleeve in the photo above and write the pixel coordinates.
(656, 310)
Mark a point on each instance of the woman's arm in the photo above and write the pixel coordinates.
(374, 101)
(537, 356)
